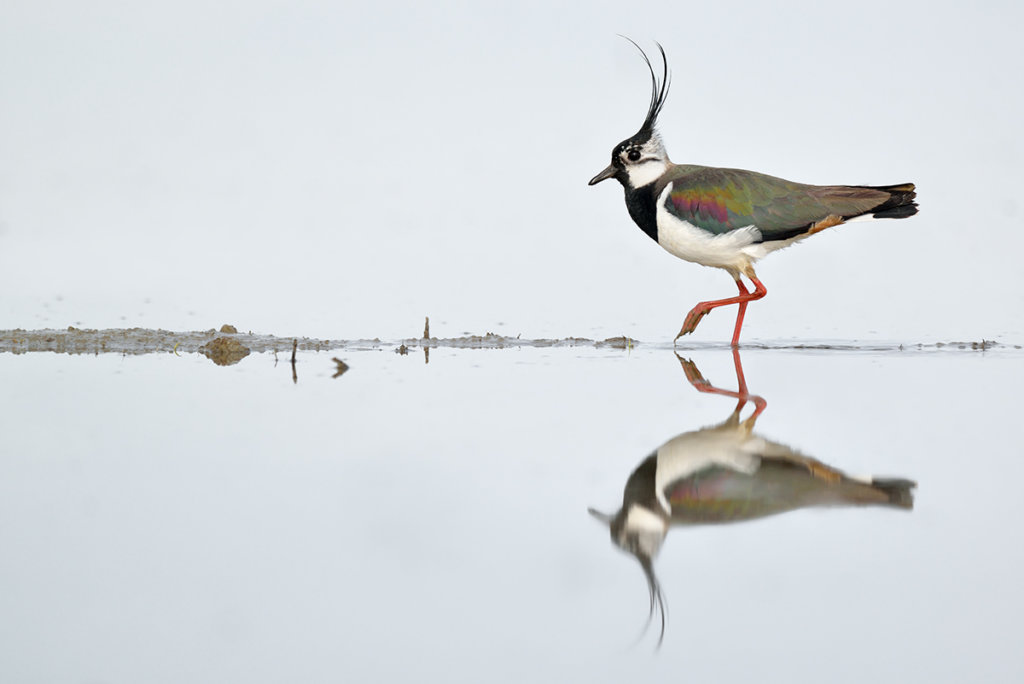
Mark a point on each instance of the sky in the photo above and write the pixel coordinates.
(327, 170)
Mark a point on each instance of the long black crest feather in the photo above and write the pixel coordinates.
(657, 605)
(659, 90)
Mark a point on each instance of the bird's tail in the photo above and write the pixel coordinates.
(899, 491)
(900, 204)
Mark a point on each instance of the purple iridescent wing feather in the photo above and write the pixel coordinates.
(722, 200)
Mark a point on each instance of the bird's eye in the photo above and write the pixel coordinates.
(634, 155)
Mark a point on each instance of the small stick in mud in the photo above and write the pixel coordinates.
(426, 328)
(295, 375)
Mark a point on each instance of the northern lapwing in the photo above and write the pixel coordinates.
(730, 218)
(726, 473)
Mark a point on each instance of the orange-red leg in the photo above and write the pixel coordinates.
(704, 308)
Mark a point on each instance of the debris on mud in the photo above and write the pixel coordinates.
(132, 341)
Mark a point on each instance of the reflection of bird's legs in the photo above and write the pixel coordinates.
(701, 384)
(759, 403)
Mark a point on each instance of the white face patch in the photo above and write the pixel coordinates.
(645, 529)
(645, 172)
(649, 167)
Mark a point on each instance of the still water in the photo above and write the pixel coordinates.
(164, 519)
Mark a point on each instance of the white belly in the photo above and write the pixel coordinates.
(733, 251)
(726, 446)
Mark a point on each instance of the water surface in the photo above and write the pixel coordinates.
(165, 519)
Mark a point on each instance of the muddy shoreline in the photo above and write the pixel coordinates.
(133, 341)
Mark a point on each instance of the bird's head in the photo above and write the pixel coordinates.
(640, 532)
(641, 159)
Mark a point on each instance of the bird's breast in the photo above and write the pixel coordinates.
(692, 243)
(641, 205)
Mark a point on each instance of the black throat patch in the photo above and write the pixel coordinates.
(642, 208)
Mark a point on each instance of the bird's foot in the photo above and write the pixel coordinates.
(693, 318)
(693, 373)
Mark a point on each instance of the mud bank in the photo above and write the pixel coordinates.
(228, 340)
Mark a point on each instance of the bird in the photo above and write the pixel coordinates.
(727, 473)
(730, 218)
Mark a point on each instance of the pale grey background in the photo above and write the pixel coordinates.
(343, 169)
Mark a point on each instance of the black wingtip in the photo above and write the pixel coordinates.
(902, 211)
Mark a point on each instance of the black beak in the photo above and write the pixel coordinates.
(604, 175)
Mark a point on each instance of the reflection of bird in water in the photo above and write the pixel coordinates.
(726, 473)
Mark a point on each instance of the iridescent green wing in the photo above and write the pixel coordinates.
(723, 200)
